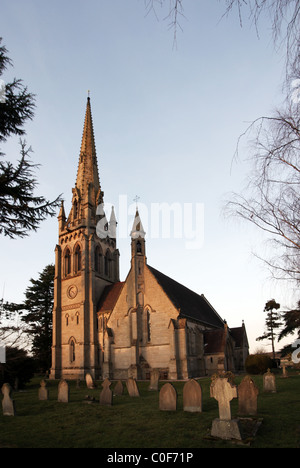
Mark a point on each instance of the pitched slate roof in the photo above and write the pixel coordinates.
(109, 297)
(190, 304)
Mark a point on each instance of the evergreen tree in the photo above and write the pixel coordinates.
(273, 322)
(36, 312)
(20, 210)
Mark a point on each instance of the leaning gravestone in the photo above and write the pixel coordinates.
(89, 381)
(247, 394)
(119, 389)
(43, 391)
(106, 396)
(8, 404)
(167, 398)
(269, 382)
(132, 387)
(224, 427)
(192, 397)
(154, 379)
(63, 391)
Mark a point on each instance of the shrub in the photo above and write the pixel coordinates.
(258, 363)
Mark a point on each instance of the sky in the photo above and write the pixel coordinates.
(167, 119)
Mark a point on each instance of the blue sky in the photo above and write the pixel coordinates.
(166, 121)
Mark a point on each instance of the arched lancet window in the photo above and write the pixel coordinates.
(75, 209)
(139, 247)
(77, 318)
(98, 259)
(72, 351)
(148, 325)
(67, 319)
(77, 258)
(107, 264)
(67, 262)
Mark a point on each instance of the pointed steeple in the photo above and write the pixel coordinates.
(87, 182)
(137, 234)
(137, 228)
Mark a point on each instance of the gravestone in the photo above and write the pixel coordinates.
(106, 396)
(192, 397)
(224, 427)
(247, 394)
(90, 381)
(284, 372)
(119, 389)
(132, 387)
(269, 382)
(167, 398)
(154, 379)
(8, 404)
(63, 392)
(43, 391)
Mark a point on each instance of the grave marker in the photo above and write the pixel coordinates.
(119, 389)
(132, 387)
(106, 396)
(247, 393)
(192, 397)
(8, 404)
(224, 427)
(90, 381)
(43, 391)
(63, 391)
(269, 382)
(167, 398)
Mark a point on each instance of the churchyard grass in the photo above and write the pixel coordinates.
(136, 422)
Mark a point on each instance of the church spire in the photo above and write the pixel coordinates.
(87, 182)
(137, 234)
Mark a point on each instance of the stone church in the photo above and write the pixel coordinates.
(120, 329)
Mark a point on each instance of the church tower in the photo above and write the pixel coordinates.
(86, 260)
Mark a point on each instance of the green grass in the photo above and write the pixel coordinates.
(138, 423)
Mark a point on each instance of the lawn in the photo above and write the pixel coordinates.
(138, 423)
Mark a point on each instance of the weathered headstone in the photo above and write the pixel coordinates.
(132, 387)
(269, 382)
(8, 404)
(224, 427)
(43, 391)
(106, 396)
(223, 391)
(247, 394)
(284, 371)
(154, 379)
(119, 389)
(90, 383)
(63, 391)
(192, 397)
(167, 398)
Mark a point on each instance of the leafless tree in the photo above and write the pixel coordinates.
(271, 199)
(173, 14)
(285, 21)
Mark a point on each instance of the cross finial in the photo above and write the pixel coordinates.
(89, 92)
(136, 199)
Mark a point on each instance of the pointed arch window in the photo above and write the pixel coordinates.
(75, 209)
(107, 264)
(78, 259)
(72, 350)
(98, 260)
(67, 262)
(148, 325)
